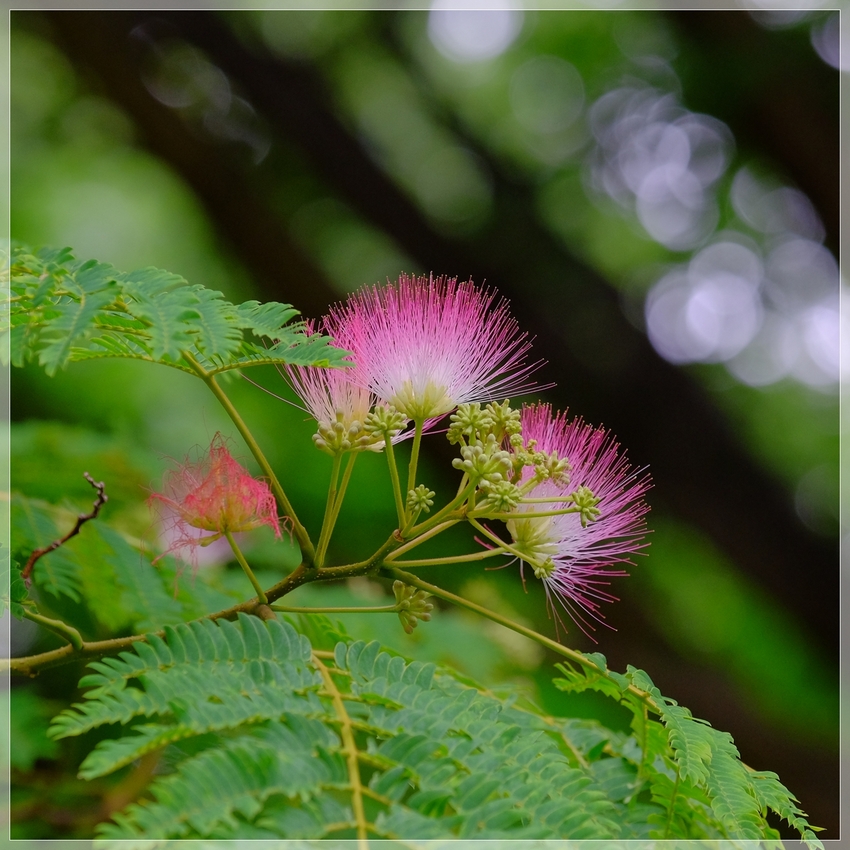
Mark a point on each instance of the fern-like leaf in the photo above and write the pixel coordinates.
(772, 794)
(64, 310)
(695, 775)
(731, 787)
(272, 740)
(443, 759)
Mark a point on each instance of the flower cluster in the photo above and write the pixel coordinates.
(425, 347)
(429, 344)
(209, 498)
(420, 347)
(572, 552)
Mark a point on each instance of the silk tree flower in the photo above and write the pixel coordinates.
(206, 499)
(574, 560)
(428, 344)
(340, 405)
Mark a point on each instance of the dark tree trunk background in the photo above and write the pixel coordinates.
(701, 472)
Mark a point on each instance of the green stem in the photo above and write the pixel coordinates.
(499, 542)
(346, 477)
(31, 665)
(412, 544)
(521, 514)
(367, 610)
(58, 627)
(399, 502)
(672, 803)
(566, 652)
(463, 482)
(327, 522)
(456, 559)
(437, 518)
(298, 530)
(350, 748)
(414, 455)
(247, 570)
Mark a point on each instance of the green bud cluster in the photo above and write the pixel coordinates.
(420, 499)
(502, 496)
(547, 467)
(506, 422)
(525, 454)
(553, 468)
(384, 421)
(484, 461)
(586, 503)
(544, 570)
(413, 605)
(471, 422)
(468, 423)
(337, 437)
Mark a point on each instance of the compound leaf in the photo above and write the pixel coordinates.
(64, 310)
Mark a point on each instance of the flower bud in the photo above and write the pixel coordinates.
(413, 605)
(420, 499)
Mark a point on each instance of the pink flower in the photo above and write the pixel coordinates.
(429, 344)
(338, 404)
(214, 494)
(576, 558)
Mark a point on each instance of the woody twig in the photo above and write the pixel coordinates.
(101, 499)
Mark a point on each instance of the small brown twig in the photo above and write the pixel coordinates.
(101, 499)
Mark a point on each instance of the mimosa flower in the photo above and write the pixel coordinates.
(574, 559)
(214, 494)
(338, 405)
(341, 404)
(426, 345)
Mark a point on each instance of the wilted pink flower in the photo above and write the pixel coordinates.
(429, 344)
(214, 494)
(576, 558)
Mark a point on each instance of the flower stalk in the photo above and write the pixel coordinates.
(65, 631)
(261, 595)
(396, 483)
(327, 522)
(411, 469)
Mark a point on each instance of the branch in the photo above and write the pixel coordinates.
(31, 665)
(566, 652)
(99, 502)
(57, 626)
(304, 573)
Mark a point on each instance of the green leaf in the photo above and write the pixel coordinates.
(254, 720)
(730, 785)
(64, 310)
(144, 601)
(72, 322)
(265, 319)
(772, 794)
(577, 679)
